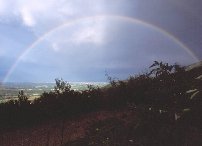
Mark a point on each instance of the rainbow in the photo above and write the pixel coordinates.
(122, 18)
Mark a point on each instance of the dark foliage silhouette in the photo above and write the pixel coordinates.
(167, 102)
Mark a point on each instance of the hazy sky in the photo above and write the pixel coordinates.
(81, 40)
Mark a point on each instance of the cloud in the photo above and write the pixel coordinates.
(2, 6)
(86, 45)
(41, 16)
(55, 47)
(80, 34)
(27, 17)
(34, 13)
(47, 13)
(92, 34)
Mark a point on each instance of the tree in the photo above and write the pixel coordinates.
(161, 68)
(61, 86)
(22, 99)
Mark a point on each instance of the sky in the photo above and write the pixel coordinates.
(82, 40)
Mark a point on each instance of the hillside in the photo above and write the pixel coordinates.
(194, 66)
(161, 107)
